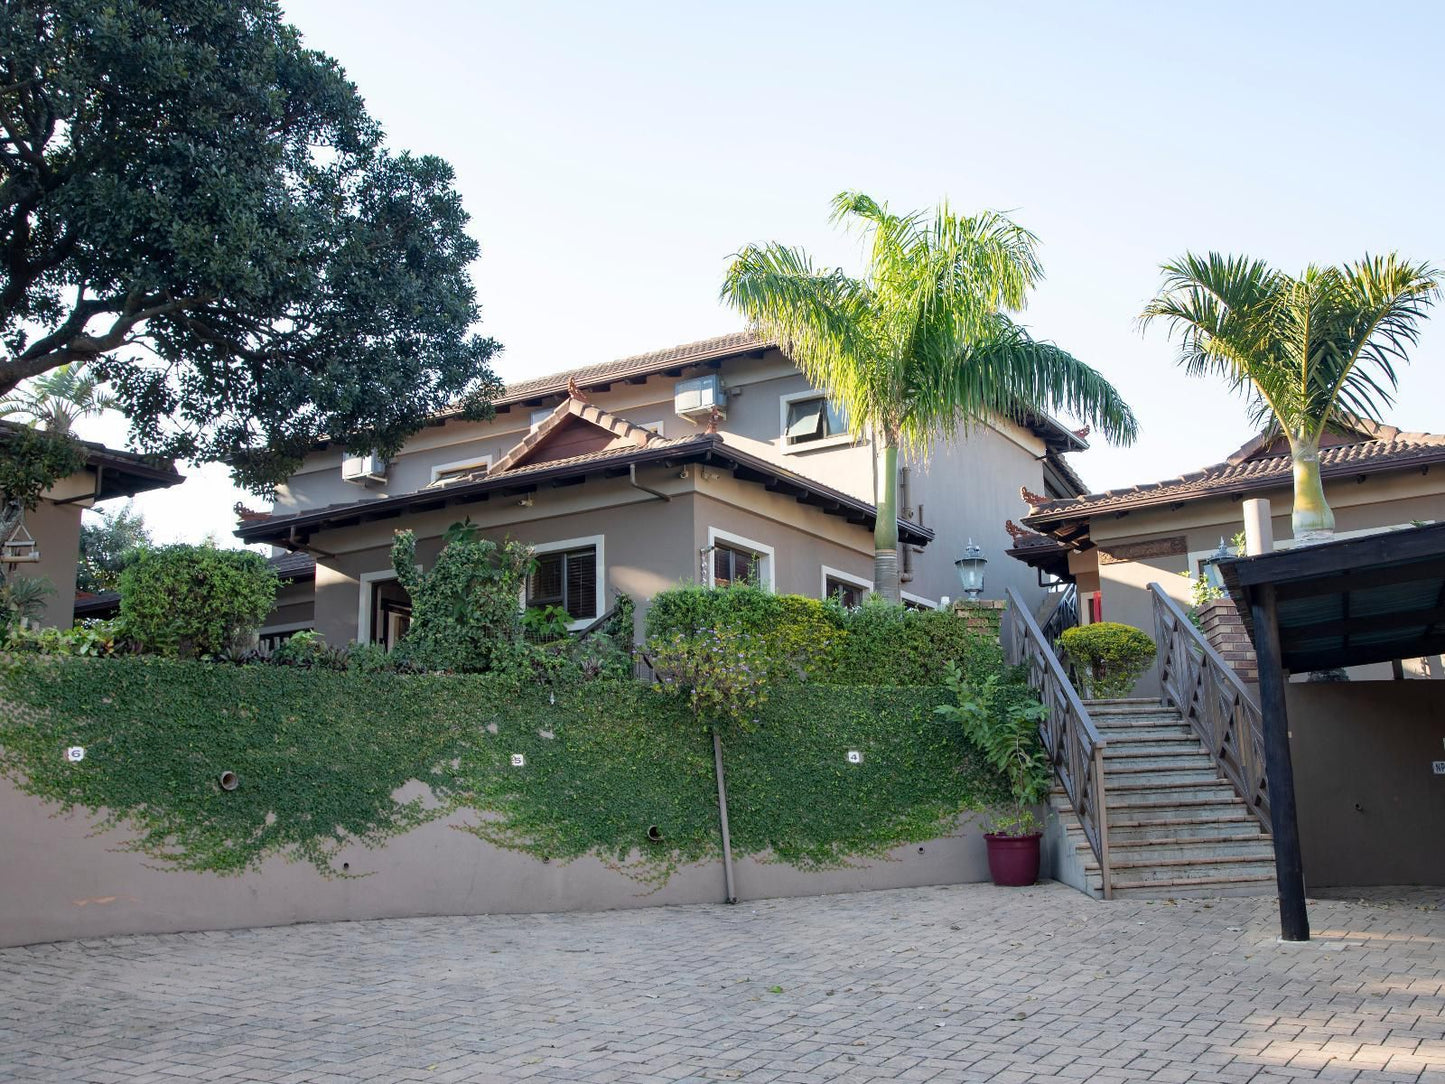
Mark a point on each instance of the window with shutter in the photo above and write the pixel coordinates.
(568, 579)
(849, 594)
(733, 565)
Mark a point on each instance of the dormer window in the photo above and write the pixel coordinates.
(810, 419)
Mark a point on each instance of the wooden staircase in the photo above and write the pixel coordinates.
(1175, 826)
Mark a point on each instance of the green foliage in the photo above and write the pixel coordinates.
(1002, 719)
(887, 644)
(464, 613)
(922, 344)
(105, 546)
(722, 673)
(794, 797)
(798, 636)
(200, 202)
(94, 638)
(56, 401)
(1112, 656)
(22, 599)
(31, 461)
(322, 757)
(543, 623)
(1311, 353)
(195, 600)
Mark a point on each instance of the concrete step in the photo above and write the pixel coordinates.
(1172, 823)
(1179, 745)
(1187, 887)
(1152, 788)
(1190, 850)
(1176, 731)
(1175, 774)
(1225, 866)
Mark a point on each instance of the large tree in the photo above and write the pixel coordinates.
(1310, 352)
(922, 346)
(201, 208)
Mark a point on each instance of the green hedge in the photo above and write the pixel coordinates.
(874, 644)
(320, 754)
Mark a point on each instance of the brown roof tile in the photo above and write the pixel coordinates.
(1238, 474)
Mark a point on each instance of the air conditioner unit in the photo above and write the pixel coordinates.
(699, 397)
(363, 469)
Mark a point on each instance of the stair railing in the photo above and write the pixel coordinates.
(1074, 745)
(1213, 700)
(1064, 615)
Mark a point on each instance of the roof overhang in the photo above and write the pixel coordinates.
(117, 473)
(1351, 602)
(296, 530)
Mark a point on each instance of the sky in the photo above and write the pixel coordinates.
(613, 156)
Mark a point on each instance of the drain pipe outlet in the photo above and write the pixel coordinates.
(632, 477)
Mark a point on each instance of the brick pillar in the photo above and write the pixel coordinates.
(1224, 629)
(982, 616)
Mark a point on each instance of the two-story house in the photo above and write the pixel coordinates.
(710, 462)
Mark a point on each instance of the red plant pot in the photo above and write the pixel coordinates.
(1013, 860)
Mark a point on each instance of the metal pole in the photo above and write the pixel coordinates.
(722, 809)
(1294, 924)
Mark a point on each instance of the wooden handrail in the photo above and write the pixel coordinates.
(1074, 745)
(1213, 700)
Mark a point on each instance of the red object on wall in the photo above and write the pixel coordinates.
(1096, 608)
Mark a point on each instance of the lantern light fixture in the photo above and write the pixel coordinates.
(970, 571)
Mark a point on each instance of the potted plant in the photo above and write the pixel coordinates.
(1003, 721)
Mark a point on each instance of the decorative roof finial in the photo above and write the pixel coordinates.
(1032, 499)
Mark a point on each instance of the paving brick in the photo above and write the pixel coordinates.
(966, 983)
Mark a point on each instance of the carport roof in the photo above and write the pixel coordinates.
(1350, 602)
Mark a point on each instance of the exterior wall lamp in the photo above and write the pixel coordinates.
(970, 571)
(1211, 564)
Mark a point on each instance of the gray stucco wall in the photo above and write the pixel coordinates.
(56, 530)
(62, 880)
(1371, 811)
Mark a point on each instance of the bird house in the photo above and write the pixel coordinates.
(19, 548)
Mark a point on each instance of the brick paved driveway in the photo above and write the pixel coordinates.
(949, 984)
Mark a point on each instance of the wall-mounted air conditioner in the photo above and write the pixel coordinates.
(698, 398)
(363, 469)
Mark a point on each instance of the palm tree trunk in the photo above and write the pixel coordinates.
(885, 531)
(1311, 520)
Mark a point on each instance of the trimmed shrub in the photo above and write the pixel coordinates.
(190, 601)
(796, 634)
(890, 645)
(1111, 656)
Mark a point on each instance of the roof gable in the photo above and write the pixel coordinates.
(574, 428)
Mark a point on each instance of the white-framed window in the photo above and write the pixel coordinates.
(807, 421)
(383, 610)
(917, 602)
(849, 589)
(731, 558)
(572, 574)
(443, 473)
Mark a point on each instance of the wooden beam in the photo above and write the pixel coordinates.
(1360, 580)
(1351, 626)
(1294, 924)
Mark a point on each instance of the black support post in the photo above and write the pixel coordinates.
(1294, 924)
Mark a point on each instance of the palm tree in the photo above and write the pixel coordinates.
(58, 399)
(921, 347)
(1309, 352)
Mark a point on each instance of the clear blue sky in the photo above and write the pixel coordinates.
(612, 156)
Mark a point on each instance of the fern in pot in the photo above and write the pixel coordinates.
(1002, 720)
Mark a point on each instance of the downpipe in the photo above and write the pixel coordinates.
(722, 809)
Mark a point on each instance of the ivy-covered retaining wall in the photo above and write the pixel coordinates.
(330, 768)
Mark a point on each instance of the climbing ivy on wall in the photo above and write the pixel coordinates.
(320, 757)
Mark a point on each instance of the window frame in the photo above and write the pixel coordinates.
(835, 440)
(598, 543)
(829, 573)
(438, 469)
(765, 553)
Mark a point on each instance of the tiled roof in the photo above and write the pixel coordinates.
(121, 473)
(656, 361)
(1237, 475)
(702, 447)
